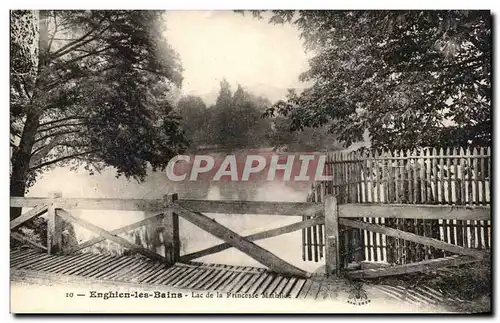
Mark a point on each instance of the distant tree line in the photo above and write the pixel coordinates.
(237, 121)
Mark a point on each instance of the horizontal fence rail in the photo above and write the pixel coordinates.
(163, 215)
(152, 205)
(458, 179)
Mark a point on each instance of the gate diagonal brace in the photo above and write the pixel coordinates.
(251, 249)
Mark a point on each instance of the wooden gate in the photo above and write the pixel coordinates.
(165, 215)
(192, 211)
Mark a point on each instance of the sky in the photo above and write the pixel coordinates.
(265, 59)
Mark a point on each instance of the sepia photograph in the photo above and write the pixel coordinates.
(250, 161)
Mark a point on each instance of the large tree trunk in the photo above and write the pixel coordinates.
(21, 160)
(22, 156)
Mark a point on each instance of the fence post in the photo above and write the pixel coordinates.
(54, 225)
(332, 257)
(171, 230)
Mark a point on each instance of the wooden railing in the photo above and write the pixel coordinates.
(333, 216)
(57, 208)
(164, 214)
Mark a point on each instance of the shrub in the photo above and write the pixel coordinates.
(470, 283)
